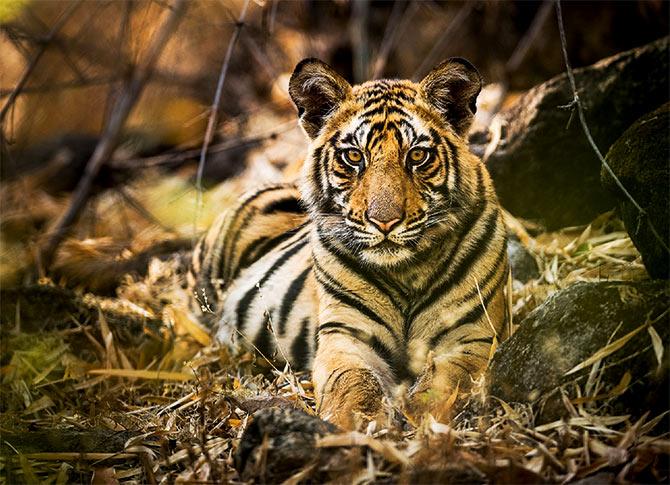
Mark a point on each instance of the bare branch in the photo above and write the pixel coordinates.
(576, 103)
(436, 53)
(529, 37)
(395, 26)
(31, 67)
(214, 109)
(170, 158)
(110, 136)
(360, 10)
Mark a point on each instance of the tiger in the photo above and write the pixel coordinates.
(385, 264)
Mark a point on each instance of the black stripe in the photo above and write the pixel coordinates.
(461, 366)
(454, 161)
(464, 264)
(381, 350)
(300, 347)
(422, 137)
(476, 313)
(386, 109)
(288, 204)
(289, 299)
(375, 129)
(398, 137)
(246, 257)
(316, 172)
(262, 342)
(387, 96)
(442, 153)
(409, 126)
(354, 303)
(349, 139)
(229, 244)
(261, 246)
(433, 171)
(469, 220)
(245, 302)
(478, 340)
(364, 273)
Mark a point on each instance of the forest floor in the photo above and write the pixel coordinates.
(133, 389)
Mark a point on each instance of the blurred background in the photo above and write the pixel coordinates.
(65, 65)
(126, 126)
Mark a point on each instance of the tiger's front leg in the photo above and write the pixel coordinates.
(458, 361)
(349, 382)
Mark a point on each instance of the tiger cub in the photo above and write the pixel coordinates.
(388, 264)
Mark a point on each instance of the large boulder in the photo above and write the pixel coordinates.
(640, 159)
(543, 167)
(572, 326)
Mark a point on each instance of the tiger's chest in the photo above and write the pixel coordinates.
(278, 304)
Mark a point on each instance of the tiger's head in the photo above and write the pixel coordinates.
(388, 171)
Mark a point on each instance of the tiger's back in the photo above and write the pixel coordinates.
(253, 272)
(396, 270)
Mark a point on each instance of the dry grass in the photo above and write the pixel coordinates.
(186, 400)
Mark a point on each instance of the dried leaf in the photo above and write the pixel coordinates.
(104, 476)
(354, 438)
(143, 374)
(181, 320)
(42, 403)
(657, 343)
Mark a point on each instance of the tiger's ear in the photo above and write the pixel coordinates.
(452, 88)
(317, 91)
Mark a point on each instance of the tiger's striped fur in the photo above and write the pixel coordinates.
(388, 265)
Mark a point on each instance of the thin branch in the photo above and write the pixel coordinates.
(436, 54)
(169, 158)
(214, 109)
(394, 27)
(576, 103)
(518, 55)
(50, 87)
(529, 37)
(107, 59)
(360, 10)
(61, 47)
(109, 139)
(33, 64)
(138, 207)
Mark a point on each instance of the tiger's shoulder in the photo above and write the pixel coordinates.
(258, 223)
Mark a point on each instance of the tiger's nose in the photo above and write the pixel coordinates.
(385, 226)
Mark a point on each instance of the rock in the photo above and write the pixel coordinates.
(571, 326)
(280, 442)
(545, 171)
(640, 160)
(522, 263)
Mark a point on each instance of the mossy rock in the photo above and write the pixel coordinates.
(544, 168)
(640, 159)
(279, 442)
(570, 327)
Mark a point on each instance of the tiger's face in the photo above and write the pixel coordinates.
(382, 179)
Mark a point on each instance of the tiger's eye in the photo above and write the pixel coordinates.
(354, 156)
(417, 155)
